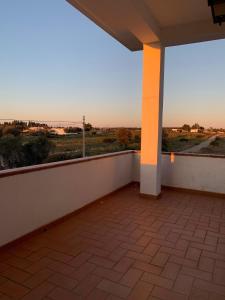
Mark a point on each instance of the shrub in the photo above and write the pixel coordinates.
(36, 150)
(183, 139)
(11, 130)
(137, 138)
(186, 127)
(124, 136)
(109, 140)
(40, 132)
(88, 127)
(72, 129)
(215, 143)
(63, 156)
(10, 152)
(13, 153)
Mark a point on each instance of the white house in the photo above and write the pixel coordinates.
(195, 130)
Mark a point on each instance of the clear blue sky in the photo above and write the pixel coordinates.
(56, 64)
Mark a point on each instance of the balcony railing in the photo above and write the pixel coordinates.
(34, 196)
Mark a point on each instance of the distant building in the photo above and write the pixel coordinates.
(195, 130)
(177, 129)
(61, 131)
(58, 131)
(35, 129)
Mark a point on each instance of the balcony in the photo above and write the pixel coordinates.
(81, 230)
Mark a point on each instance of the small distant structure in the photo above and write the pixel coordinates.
(177, 129)
(58, 131)
(61, 131)
(35, 129)
(195, 130)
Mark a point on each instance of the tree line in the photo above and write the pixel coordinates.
(18, 151)
(187, 127)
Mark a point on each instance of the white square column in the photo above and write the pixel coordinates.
(151, 132)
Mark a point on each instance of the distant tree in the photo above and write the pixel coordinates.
(186, 127)
(11, 129)
(137, 138)
(124, 136)
(13, 153)
(36, 150)
(31, 124)
(40, 132)
(35, 124)
(109, 140)
(10, 152)
(19, 124)
(72, 129)
(88, 127)
(195, 126)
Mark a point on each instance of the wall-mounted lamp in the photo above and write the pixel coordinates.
(218, 10)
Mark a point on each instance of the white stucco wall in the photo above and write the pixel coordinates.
(31, 200)
(202, 173)
(194, 172)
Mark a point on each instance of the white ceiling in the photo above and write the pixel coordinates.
(170, 22)
(175, 12)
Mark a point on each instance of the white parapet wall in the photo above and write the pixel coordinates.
(190, 171)
(34, 196)
(196, 172)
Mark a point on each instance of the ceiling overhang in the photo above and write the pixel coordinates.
(137, 22)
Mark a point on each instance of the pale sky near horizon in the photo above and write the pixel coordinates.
(57, 64)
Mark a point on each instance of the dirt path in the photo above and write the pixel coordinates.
(201, 145)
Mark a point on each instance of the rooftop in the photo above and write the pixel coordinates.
(124, 247)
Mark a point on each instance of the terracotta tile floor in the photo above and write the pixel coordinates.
(125, 247)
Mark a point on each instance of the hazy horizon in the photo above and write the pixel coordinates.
(58, 65)
(65, 124)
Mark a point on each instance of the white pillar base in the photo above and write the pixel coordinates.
(150, 180)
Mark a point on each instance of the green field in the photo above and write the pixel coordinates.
(44, 147)
(68, 147)
(176, 142)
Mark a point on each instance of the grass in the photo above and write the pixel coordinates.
(69, 147)
(177, 142)
(216, 147)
